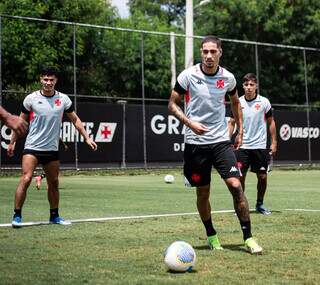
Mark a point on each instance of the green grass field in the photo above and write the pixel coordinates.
(130, 251)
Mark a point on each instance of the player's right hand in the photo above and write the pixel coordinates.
(198, 128)
(92, 144)
(10, 150)
(17, 124)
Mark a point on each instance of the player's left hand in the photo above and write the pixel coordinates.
(273, 149)
(92, 144)
(238, 141)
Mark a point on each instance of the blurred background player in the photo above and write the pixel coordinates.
(38, 179)
(44, 109)
(257, 111)
(207, 142)
(13, 122)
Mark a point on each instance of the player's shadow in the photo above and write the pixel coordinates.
(183, 272)
(272, 211)
(233, 247)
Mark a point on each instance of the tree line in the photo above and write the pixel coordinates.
(109, 61)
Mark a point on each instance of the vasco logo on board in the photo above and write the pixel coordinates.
(105, 132)
(286, 132)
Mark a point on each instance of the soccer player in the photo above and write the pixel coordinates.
(44, 109)
(13, 122)
(253, 153)
(38, 179)
(207, 142)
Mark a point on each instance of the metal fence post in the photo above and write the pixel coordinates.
(173, 59)
(75, 89)
(123, 103)
(307, 103)
(143, 105)
(257, 65)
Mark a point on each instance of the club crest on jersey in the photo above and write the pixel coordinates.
(57, 102)
(257, 106)
(199, 81)
(220, 84)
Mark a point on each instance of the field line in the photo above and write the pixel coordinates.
(26, 224)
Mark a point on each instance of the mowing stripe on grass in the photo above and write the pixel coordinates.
(28, 224)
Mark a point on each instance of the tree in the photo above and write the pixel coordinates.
(282, 70)
(30, 45)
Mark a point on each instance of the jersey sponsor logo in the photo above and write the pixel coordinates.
(220, 84)
(286, 132)
(40, 102)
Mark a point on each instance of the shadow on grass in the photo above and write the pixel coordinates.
(233, 247)
(188, 271)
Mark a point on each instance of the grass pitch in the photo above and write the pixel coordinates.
(130, 251)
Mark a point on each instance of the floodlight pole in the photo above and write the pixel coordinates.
(189, 31)
(189, 34)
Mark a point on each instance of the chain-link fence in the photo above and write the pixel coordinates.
(101, 64)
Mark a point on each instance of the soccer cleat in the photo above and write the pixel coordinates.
(38, 180)
(262, 210)
(252, 246)
(59, 221)
(214, 243)
(16, 222)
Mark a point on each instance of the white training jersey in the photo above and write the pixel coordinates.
(254, 122)
(45, 115)
(205, 102)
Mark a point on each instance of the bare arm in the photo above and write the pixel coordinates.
(13, 122)
(15, 135)
(175, 100)
(78, 125)
(237, 115)
(231, 126)
(273, 134)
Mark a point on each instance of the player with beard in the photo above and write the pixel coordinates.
(207, 143)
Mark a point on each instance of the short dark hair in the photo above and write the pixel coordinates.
(212, 39)
(49, 71)
(250, 77)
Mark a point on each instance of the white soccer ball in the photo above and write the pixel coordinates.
(180, 257)
(169, 178)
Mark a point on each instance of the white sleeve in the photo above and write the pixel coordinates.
(68, 102)
(27, 102)
(183, 79)
(267, 105)
(233, 83)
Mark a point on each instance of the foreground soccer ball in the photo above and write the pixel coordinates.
(180, 257)
(169, 178)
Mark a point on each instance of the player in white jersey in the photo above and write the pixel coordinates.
(207, 142)
(44, 110)
(253, 153)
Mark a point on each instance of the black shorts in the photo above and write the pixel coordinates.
(44, 157)
(257, 159)
(199, 159)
